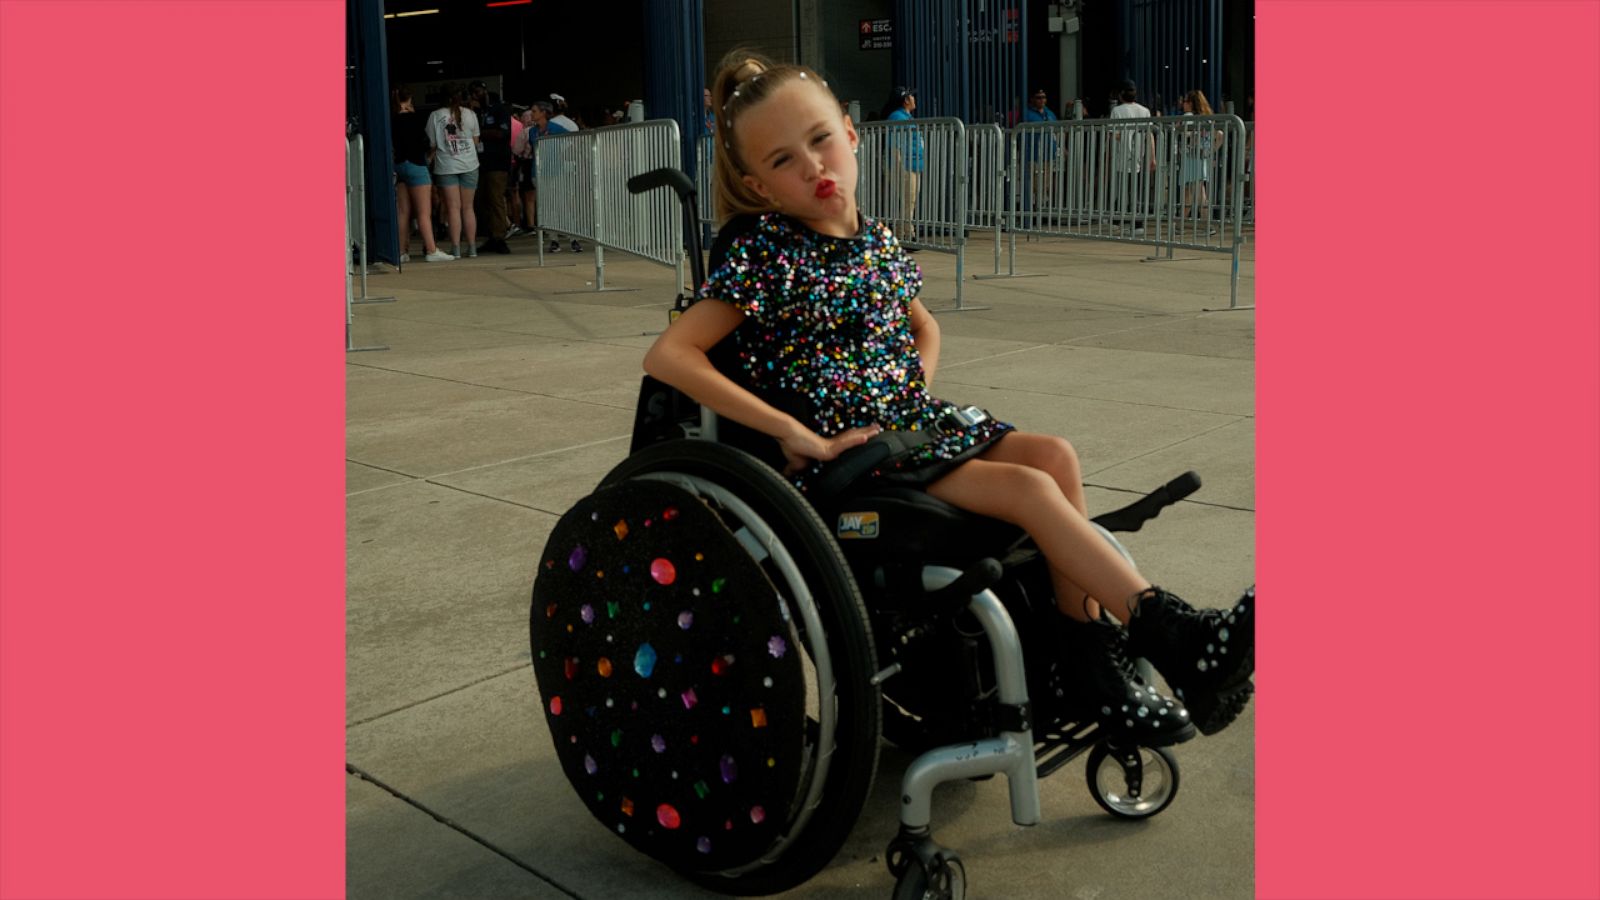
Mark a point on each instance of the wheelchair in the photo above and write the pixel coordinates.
(718, 654)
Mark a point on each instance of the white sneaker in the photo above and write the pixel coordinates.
(472, 251)
(405, 257)
(439, 256)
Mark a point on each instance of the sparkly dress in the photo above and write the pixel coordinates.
(827, 336)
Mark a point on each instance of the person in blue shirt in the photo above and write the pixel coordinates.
(908, 158)
(1041, 151)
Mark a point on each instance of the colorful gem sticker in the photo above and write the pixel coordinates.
(586, 613)
(686, 620)
(555, 706)
(663, 571)
(689, 699)
(757, 815)
(603, 667)
(644, 661)
(621, 529)
(668, 816)
(758, 718)
(578, 557)
(729, 769)
(776, 646)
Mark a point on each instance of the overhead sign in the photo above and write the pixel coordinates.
(877, 34)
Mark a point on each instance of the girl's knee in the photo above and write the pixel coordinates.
(1060, 457)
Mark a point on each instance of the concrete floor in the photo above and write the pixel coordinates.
(506, 392)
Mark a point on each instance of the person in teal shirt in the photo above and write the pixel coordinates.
(1041, 152)
(908, 158)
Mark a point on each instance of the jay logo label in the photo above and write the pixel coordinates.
(857, 526)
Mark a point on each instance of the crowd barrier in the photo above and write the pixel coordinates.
(355, 212)
(913, 176)
(583, 192)
(1174, 182)
(355, 237)
(988, 177)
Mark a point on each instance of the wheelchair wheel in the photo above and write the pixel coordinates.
(780, 531)
(947, 881)
(1132, 782)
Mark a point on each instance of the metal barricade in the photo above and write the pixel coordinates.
(705, 159)
(353, 178)
(355, 212)
(913, 176)
(1174, 182)
(988, 195)
(583, 192)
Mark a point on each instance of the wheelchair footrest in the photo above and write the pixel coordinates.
(1061, 741)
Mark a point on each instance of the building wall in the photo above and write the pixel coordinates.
(826, 39)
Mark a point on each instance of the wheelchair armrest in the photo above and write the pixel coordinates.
(1142, 510)
(856, 463)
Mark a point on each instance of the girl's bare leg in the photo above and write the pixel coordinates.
(1055, 457)
(402, 202)
(1031, 499)
(422, 202)
(469, 214)
(452, 212)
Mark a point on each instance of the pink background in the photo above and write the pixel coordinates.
(172, 510)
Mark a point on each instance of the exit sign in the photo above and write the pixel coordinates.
(877, 34)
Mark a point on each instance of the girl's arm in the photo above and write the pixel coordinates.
(679, 358)
(925, 334)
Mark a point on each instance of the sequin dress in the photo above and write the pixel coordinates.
(827, 336)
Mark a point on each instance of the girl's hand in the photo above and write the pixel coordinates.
(803, 446)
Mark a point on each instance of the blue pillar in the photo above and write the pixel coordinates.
(675, 69)
(367, 108)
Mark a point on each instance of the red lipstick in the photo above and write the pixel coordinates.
(825, 189)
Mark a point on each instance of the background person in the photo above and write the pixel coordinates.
(908, 157)
(453, 134)
(1199, 152)
(1133, 156)
(494, 164)
(414, 193)
(1042, 151)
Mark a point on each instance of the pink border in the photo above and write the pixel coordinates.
(1428, 386)
(171, 630)
(173, 518)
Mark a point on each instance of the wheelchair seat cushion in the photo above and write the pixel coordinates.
(670, 675)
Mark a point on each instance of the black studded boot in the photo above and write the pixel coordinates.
(1207, 656)
(1096, 673)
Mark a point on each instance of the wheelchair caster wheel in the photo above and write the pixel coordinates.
(942, 878)
(1132, 782)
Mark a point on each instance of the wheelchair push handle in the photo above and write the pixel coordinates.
(1133, 516)
(665, 177)
(684, 188)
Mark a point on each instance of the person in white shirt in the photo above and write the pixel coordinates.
(1133, 158)
(453, 134)
(560, 118)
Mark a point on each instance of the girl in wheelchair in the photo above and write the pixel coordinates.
(832, 346)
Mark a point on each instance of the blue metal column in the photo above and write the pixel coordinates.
(967, 58)
(675, 70)
(367, 110)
